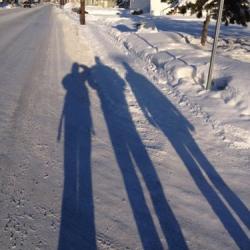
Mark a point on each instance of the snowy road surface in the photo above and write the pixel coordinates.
(94, 155)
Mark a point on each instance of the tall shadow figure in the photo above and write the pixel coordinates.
(77, 229)
(130, 154)
(162, 114)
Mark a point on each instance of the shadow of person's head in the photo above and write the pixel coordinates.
(98, 60)
(76, 78)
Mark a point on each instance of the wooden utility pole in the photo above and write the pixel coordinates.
(82, 12)
(62, 2)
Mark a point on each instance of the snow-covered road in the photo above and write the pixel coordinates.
(96, 155)
(31, 101)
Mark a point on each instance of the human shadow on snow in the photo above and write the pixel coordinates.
(77, 230)
(162, 114)
(131, 154)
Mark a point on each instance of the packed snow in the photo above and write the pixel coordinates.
(170, 47)
(108, 139)
(137, 67)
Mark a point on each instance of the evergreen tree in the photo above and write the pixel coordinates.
(235, 11)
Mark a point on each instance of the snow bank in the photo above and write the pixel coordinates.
(175, 59)
(68, 6)
(6, 6)
(93, 10)
(147, 27)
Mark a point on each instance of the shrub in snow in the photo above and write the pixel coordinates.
(123, 3)
(146, 26)
(137, 12)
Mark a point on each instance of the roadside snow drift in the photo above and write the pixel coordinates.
(171, 50)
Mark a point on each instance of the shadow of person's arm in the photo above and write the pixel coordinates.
(149, 116)
(59, 133)
(91, 79)
(85, 68)
(183, 120)
(87, 78)
(84, 73)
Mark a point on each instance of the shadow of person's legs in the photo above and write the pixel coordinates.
(168, 222)
(232, 199)
(161, 113)
(216, 203)
(141, 212)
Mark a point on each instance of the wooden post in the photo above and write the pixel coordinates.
(82, 12)
(205, 30)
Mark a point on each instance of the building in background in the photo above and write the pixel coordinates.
(140, 4)
(159, 7)
(102, 3)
